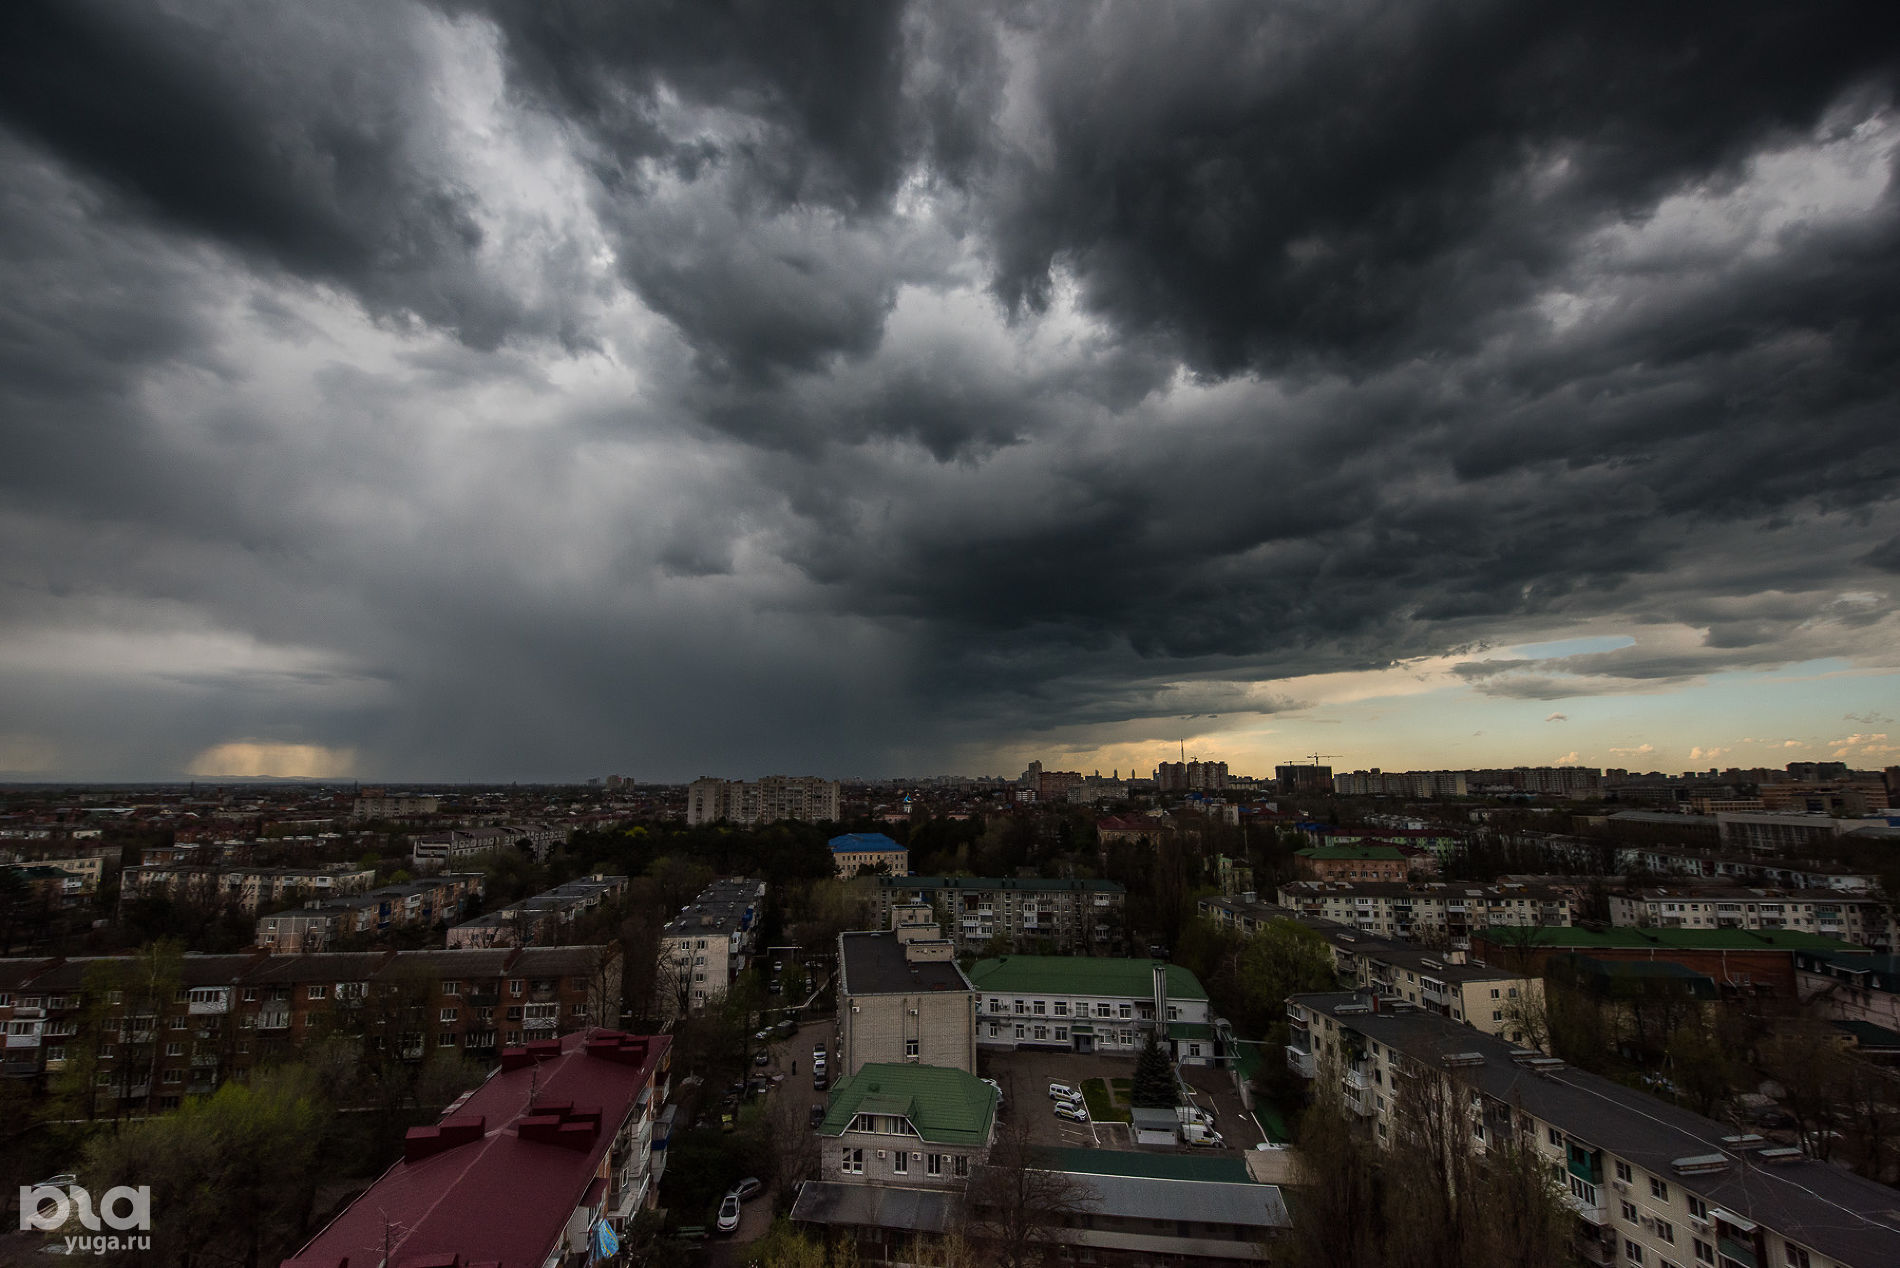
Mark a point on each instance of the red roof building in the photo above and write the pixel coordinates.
(518, 1172)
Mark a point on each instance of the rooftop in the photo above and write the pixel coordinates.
(502, 1197)
(1557, 936)
(862, 842)
(1335, 852)
(874, 964)
(947, 1106)
(1036, 883)
(1081, 975)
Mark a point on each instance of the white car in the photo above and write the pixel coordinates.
(1063, 1092)
(1072, 1111)
(729, 1214)
(1195, 1134)
(999, 1089)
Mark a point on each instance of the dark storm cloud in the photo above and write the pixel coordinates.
(900, 378)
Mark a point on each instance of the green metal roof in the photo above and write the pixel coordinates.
(1674, 939)
(997, 882)
(1149, 1166)
(1080, 975)
(946, 1106)
(1190, 1030)
(1352, 852)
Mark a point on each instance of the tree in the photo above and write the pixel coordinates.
(1015, 1205)
(1282, 958)
(784, 1246)
(1154, 1084)
(231, 1174)
(1704, 1073)
(1341, 1212)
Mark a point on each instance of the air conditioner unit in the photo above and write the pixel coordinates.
(1619, 1186)
(880, 1153)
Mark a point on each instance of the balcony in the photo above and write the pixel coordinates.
(1586, 1210)
(1355, 1081)
(273, 1021)
(1300, 1061)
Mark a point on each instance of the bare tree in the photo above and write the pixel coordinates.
(1016, 1206)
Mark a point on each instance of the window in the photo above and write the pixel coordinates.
(960, 1168)
(995, 1030)
(1494, 992)
(1039, 1008)
(910, 1047)
(933, 1165)
(1658, 1189)
(996, 1005)
(1556, 1137)
(1125, 1012)
(174, 1076)
(900, 1162)
(1062, 1034)
(179, 1023)
(514, 987)
(1042, 1032)
(1632, 1251)
(1665, 1231)
(174, 1049)
(1021, 1007)
(1797, 1258)
(1062, 1010)
(1628, 1212)
(1103, 1010)
(451, 988)
(446, 1039)
(1019, 1030)
(1174, 1014)
(852, 1163)
(1698, 1209)
(1624, 1173)
(315, 992)
(1704, 1253)
(1496, 1015)
(450, 1014)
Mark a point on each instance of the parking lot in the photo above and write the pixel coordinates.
(1026, 1077)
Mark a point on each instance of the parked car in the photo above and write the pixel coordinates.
(747, 1189)
(1063, 1092)
(817, 1116)
(764, 1058)
(729, 1214)
(1072, 1110)
(999, 1089)
(763, 1035)
(1205, 1137)
(818, 1052)
(1194, 1114)
(820, 1081)
(778, 966)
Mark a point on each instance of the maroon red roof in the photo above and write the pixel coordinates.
(496, 1181)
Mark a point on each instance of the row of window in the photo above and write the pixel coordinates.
(852, 1164)
(1060, 1008)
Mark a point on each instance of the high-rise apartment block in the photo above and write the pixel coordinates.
(771, 799)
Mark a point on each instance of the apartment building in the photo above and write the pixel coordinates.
(244, 888)
(857, 852)
(1861, 919)
(427, 902)
(1074, 916)
(523, 1170)
(704, 947)
(460, 846)
(775, 797)
(1855, 988)
(1437, 911)
(1418, 785)
(1093, 1004)
(147, 1042)
(1651, 1184)
(902, 999)
(546, 917)
(1712, 865)
(1359, 863)
(1496, 999)
(1784, 834)
(377, 804)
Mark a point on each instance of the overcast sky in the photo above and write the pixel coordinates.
(542, 390)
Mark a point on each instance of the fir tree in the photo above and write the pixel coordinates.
(1154, 1076)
